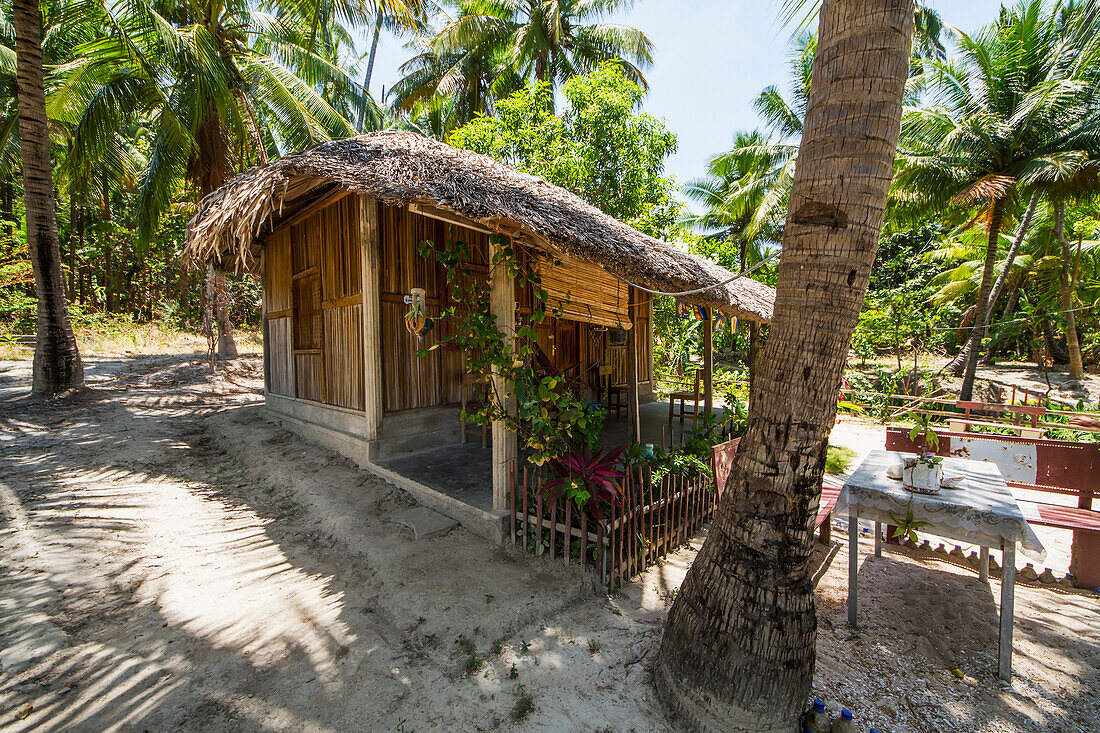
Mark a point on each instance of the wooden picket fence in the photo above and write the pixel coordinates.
(654, 519)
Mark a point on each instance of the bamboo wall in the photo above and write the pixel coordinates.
(314, 312)
(313, 305)
(412, 381)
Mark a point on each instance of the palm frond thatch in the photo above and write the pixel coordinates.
(401, 168)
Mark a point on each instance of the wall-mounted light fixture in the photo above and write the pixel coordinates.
(417, 321)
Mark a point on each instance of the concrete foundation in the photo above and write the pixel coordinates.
(340, 430)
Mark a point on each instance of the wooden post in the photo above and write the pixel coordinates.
(853, 564)
(708, 362)
(632, 407)
(371, 245)
(754, 353)
(502, 304)
(1008, 591)
(263, 322)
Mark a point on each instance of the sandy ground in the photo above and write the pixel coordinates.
(169, 560)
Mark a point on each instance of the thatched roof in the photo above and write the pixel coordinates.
(406, 168)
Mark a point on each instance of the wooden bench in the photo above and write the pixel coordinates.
(990, 415)
(830, 492)
(1035, 464)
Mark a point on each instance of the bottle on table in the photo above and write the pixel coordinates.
(844, 724)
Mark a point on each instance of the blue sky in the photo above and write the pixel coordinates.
(711, 59)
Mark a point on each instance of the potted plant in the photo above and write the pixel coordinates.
(923, 435)
(923, 473)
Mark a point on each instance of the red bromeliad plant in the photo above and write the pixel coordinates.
(587, 478)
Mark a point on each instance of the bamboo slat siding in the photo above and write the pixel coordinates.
(344, 356)
(280, 377)
(307, 313)
(586, 292)
(277, 276)
(654, 519)
(338, 227)
(304, 252)
(309, 375)
(434, 379)
(313, 301)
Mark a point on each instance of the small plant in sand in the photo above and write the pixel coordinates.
(908, 525)
(525, 705)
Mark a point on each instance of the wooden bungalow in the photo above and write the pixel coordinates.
(334, 232)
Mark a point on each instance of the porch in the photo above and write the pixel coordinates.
(464, 471)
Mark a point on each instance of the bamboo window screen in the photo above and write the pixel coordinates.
(586, 292)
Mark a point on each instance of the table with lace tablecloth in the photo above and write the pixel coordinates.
(981, 511)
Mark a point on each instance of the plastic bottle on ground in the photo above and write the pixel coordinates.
(844, 724)
(817, 718)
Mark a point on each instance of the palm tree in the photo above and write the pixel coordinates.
(451, 88)
(783, 116)
(548, 40)
(738, 648)
(744, 192)
(57, 364)
(396, 16)
(223, 86)
(1016, 107)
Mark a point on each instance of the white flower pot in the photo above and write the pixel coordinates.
(922, 477)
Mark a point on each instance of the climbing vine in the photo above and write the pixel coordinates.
(547, 416)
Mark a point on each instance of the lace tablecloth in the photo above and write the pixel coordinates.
(981, 510)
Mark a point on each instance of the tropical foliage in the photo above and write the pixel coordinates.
(153, 103)
(602, 146)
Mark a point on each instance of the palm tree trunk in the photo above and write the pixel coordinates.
(738, 648)
(7, 208)
(1055, 351)
(227, 347)
(981, 318)
(57, 364)
(74, 228)
(1010, 309)
(1076, 368)
(370, 65)
(956, 365)
(108, 274)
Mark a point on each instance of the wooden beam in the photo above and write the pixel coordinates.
(371, 247)
(708, 362)
(451, 217)
(502, 304)
(308, 210)
(632, 401)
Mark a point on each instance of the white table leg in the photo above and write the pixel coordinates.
(1008, 583)
(853, 564)
(878, 539)
(983, 564)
